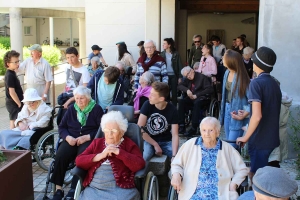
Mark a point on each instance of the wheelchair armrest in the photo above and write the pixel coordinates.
(143, 172)
(81, 173)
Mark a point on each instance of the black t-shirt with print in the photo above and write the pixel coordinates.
(12, 81)
(159, 122)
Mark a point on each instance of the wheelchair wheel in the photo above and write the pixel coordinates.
(151, 190)
(77, 191)
(214, 108)
(45, 149)
(172, 194)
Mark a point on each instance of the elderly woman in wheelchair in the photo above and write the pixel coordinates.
(35, 113)
(78, 128)
(111, 162)
(219, 167)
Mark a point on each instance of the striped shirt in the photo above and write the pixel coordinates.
(159, 70)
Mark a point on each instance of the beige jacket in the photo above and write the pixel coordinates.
(38, 118)
(230, 167)
(129, 62)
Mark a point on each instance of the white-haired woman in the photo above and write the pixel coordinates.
(111, 162)
(206, 167)
(95, 63)
(35, 113)
(78, 128)
(143, 92)
(247, 53)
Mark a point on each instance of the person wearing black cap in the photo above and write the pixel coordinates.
(96, 52)
(270, 183)
(265, 97)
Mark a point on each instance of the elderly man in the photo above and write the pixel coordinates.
(197, 87)
(196, 53)
(38, 72)
(270, 183)
(151, 61)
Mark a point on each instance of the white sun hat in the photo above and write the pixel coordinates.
(31, 94)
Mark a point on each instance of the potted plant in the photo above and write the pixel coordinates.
(16, 175)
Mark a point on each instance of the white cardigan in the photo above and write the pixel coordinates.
(38, 118)
(230, 168)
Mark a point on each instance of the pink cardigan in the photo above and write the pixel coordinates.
(208, 67)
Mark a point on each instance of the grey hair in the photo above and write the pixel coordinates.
(82, 90)
(197, 36)
(148, 41)
(185, 69)
(248, 50)
(120, 63)
(117, 117)
(96, 59)
(148, 77)
(212, 121)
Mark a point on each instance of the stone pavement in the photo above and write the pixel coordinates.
(39, 175)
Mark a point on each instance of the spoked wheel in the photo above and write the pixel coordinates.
(45, 149)
(214, 109)
(151, 190)
(172, 194)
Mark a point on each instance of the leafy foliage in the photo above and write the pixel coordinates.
(2, 157)
(3, 50)
(5, 41)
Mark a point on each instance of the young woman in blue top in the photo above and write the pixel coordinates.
(234, 105)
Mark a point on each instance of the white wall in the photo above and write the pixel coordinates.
(167, 19)
(199, 23)
(29, 39)
(280, 32)
(110, 21)
(62, 28)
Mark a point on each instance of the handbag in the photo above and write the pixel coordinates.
(64, 97)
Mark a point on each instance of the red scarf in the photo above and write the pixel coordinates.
(155, 58)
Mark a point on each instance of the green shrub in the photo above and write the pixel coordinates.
(3, 50)
(51, 54)
(5, 41)
(2, 157)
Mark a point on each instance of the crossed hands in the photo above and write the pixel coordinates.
(77, 141)
(108, 151)
(22, 126)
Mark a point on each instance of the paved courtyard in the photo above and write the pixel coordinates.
(39, 175)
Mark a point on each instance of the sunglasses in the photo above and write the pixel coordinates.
(196, 42)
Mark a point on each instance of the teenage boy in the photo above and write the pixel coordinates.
(159, 122)
(265, 97)
(75, 70)
(13, 89)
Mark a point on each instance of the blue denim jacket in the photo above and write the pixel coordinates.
(237, 103)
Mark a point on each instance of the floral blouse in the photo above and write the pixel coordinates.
(207, 186)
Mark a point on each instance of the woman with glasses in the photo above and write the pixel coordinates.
(35, 113)
(78, 128)
(111, 162)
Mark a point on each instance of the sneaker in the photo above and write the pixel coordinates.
(190, 132)
(70, 195)
(59, 195)
(181, 129)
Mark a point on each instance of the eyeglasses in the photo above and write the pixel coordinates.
(29, 102)
(106, 130)
(16, 62)
(187, 75)
(196, 42)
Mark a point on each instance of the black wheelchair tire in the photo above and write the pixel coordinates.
(214, 108)
(38, 154)
(151, 189)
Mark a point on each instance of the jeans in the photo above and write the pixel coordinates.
(230, 134)
(149, 150)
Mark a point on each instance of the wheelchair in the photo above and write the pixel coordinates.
(146, 183)
(172, 194)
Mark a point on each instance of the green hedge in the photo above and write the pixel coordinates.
(5, 41)
(51, 54)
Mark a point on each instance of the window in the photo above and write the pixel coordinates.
(27, 30)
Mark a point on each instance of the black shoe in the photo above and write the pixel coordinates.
(70, 195)
(59, 195)
(190, 132)
(181, 129)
